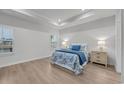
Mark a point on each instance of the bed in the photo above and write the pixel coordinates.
(73, 58)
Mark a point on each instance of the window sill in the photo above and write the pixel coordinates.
(6, 54)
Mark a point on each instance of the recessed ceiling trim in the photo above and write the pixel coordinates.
(57, 24)
(35, 16)
(86, 15)
(22, 12)
(78, 18)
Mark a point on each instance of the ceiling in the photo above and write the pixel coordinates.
(59, 18)
(56, 14)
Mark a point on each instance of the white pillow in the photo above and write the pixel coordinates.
(83, 47)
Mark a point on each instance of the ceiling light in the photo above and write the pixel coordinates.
(59, 20)
(82, 9)
(57, 24)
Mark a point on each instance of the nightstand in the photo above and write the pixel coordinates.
(98, 57)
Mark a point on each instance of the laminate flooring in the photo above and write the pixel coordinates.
(42, 72)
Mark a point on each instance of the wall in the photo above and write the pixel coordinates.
(122, 45)
(91, 32)
(32, 41)
(118, 40)
(28, 45)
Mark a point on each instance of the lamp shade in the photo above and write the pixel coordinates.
(101, 45)
(64, 43)
(101, 42)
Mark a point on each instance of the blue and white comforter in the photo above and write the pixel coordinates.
(70, 59)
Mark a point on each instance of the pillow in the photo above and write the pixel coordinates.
(83, 46)
(76, 47)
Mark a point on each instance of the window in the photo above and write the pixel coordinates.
(6, 39)
(53, 40)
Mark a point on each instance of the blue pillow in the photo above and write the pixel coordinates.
(76, 47)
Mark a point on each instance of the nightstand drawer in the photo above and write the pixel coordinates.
(98, 53)
(100, 61)
(98, 57)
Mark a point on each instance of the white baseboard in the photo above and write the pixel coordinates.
(23, 61)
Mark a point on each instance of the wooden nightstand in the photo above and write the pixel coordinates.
(98, 57)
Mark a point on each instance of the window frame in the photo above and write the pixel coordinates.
(5, 27)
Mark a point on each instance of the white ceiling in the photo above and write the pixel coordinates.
(95, 15)
(55, 14)
(60, 18)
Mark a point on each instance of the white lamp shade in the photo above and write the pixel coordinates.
(101, 42)
(64, 43)
(101, 45)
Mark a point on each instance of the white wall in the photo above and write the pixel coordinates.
(91, 32)
(118, 40)
(122, 45)
(32, 41)
(28, 45)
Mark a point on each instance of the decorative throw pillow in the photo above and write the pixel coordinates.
(76, 47)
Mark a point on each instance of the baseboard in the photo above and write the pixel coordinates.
(23, 61)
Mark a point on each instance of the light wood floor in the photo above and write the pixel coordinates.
(42, 72)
